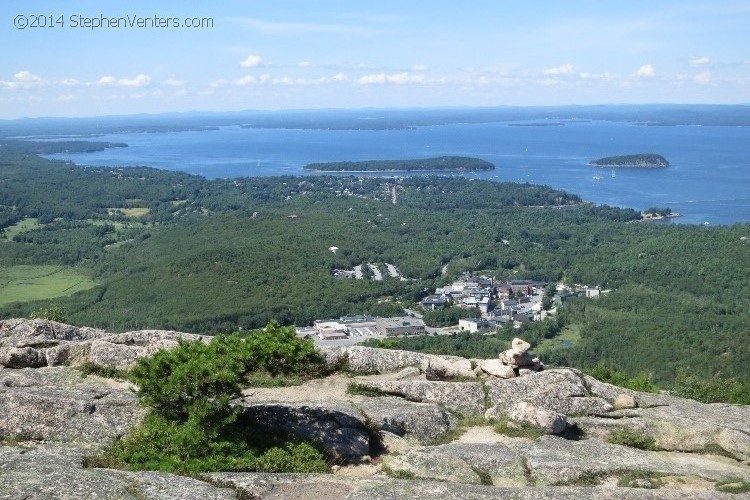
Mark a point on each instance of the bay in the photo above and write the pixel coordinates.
(708, 182)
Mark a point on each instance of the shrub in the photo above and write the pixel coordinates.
(192, 427)
(90, 368)
(606, 374)
(714, 390)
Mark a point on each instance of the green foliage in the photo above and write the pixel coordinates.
(425, 164)
(641, 479)
(712, 390)
(356, 389)
(90, 368)
(602, 372)
(517, 429)
(633, 439)
(52, 313)
(449, 316)
(188, 448)
(645, 160)
(735, 485)
(471, 345)
(192, 427)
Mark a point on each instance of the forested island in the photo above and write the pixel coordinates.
(646, 160)
(437, 164)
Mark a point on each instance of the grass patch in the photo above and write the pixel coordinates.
(633, 439)
(356, 389)
(90, 368)
(643, 479)
(517, 429)
(585, 479)
(568, 337)
(398, 474)
(455, 433)
(21, 226)
(265, 379)
(733, 486)
(27, 283)
(129, 211)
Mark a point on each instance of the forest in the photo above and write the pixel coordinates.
(163, 249)
(441, 163)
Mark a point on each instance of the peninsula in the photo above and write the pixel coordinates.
(442, 163)
(647, 160)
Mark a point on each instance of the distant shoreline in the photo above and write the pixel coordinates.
(436, 164)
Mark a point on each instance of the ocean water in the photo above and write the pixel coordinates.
(708, 182)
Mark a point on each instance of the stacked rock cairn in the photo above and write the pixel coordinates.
(520, 358)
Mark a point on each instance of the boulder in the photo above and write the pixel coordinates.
(553, 460)
(77, 413)
(440, 369)
(546, 421)
(560, 391)
(496, 368)
(338, 427)
(369, 360)
(55, 470)
(22, 357)
(422, 422)
(680, 425)
(624, 402)
(430, 464)
(466, 398)
(503, 464)
(519, 346)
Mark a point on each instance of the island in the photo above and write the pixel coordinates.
(441, 163)
(646, 160)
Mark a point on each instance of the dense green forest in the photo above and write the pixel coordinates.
(441, 163)
(171, 250)
(644, 160)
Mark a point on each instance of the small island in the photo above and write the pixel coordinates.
(441, 163)
(647, 160)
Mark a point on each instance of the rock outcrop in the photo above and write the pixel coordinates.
(52, 417)
(35, 343)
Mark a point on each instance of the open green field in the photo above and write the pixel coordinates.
(567, 338)
(26, 283)
(21, 227)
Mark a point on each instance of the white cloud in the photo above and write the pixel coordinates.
(139, 81)
(181, 92)
(565, 69)
(419, 67)
(246, 80)
(699, 61)
(105, 80)
(339, 77)
(70, 82)
(395, 78)
(173, 82)
(252, 61)
(66, 97)
(703, 78)
(305, 64)
(217, 83)
(22, 80)
(646, 71)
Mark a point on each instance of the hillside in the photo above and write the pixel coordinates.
(147, 244)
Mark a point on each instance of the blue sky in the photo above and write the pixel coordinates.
(349, 54)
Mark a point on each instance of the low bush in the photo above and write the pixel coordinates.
(606, 374)
(193, 427)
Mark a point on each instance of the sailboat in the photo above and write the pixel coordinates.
(613, 173)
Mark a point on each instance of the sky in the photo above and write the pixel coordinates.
(90, 58)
